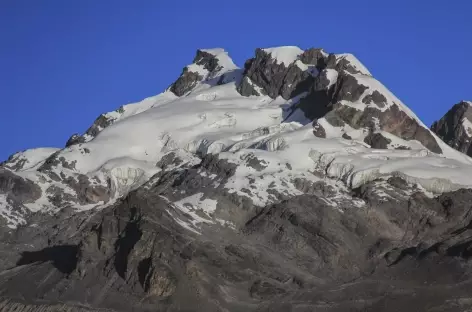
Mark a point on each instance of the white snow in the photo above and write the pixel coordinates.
(13, 218)
(30, 158)
(284, 55)
(311, 69)
(207, 205)
(331, 75)
(467, 124)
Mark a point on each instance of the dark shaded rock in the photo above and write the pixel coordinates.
(170, 159)
(247, 88)
(451, 130)
(54, 161)
(377, 140)
(318, 130)
(314, 56)
(397, 122)
(136, 255)
(98, 125)
(186, 82)
(398, 183)
(87, 192)
(63, 258)
(256, 163)
(346, 136)
(188, 79)
(220, 167)
(18, 188)
(348, 88)
(75, 139)
(341, 64)
(376, 97)
(286, 80)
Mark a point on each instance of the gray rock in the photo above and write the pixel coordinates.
(135, 255)
(75, 139)
(188, 79)
(377, 140)
(186, 82)
(18, 188)
(449, 128)
(286, 80)
(377, 98)
(348, 88)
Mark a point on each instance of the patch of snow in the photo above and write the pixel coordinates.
(207, 205)
(331, 75)
(467, 124)
(284, 55)
(311, 69)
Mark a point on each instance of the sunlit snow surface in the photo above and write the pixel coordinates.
(222, 120)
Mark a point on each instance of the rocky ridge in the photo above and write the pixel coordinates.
(455, 127)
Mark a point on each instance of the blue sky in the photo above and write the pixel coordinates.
(62, 63)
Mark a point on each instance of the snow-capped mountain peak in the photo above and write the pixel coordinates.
(272, 187)
(305, 109)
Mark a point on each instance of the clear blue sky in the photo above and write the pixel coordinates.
(62, 63)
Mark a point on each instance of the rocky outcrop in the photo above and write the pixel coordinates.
(102, 121)
(136, 255)
(328, 102)
(265, 74)
(75, 139)
(18, 188)
(337, 88)
(377, 140)
(455, 127)
(206, 66)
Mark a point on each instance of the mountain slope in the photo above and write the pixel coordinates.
(260, 188)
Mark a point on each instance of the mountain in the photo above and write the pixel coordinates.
(296, 183)
(455, 127)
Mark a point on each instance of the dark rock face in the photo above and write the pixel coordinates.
(377, 98)
(55, 160)
(264, 76)
(75, 139)
(298, 252)
(377, 140)
(451, 129)
(18, 188)
(87, 193)
(186, 82)
(98, 125)
(348, 89)
(327, 103)
(286, 80)
(314, 56)
(398, 123)
(188, 79)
